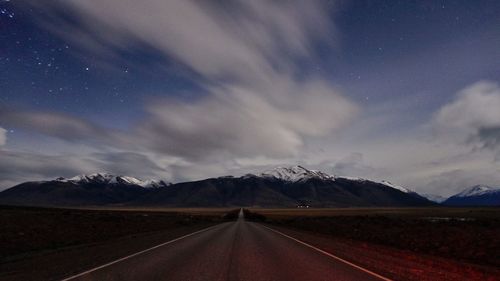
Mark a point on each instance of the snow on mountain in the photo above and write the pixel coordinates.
(477, 190)
(434, 198)
(400, 188)
(295, 174)
(154, 183)
(299, 173)
(126, 180)
(479, 195)
(289, 174)
(350, 178)
(97, 178)
(384, 182)
(105, 178)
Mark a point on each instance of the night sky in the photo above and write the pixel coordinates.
(405, 91)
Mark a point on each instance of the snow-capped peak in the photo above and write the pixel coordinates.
(400, 188)
(96, 177)
(154, 183)
(126, 180)
(105, 178)
(295, 173)
(476, 191)
(299, 173)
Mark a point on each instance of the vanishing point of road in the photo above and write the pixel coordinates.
(239, 250)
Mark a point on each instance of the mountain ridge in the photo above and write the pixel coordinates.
(107, 178)
(477, 195)
(279, 187)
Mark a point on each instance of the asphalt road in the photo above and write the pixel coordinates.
(238, 250)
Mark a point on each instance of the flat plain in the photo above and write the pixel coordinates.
(398, 243)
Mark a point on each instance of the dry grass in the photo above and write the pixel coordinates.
(189, 211)
(28, 230)
(390, 212)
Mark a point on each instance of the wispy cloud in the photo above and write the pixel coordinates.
(246, 54)
(241, 40)
(17, 166)
(353, 165)
(3, 136)
(63, 126)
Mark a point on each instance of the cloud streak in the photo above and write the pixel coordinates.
(241, 40)
(3, 136)
(53, 124)
(257, 99)
(240, 122)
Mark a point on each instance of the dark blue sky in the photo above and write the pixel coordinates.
(397, 62)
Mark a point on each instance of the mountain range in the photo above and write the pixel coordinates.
(280, 187)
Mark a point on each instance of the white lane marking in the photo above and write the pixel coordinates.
(138, 253)
(330, 255)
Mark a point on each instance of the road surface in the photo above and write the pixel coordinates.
(238, 250)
